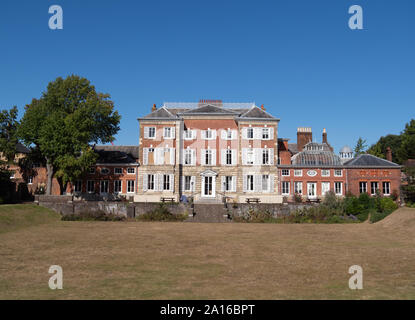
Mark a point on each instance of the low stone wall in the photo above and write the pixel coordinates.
(67, 205)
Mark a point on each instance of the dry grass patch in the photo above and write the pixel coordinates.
(150, 260)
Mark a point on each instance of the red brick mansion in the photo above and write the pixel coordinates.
(211, 150)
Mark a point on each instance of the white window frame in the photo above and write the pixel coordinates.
(336, 173)
(166, 182)
(115, 186)
(250, 156)
(77, 187)
(208, 157)
(362, 183)
(129, 187)
(228, 183)
(209, 134)
(30, 180)
(108, 171)
(188, 153)
(336, 184)
(116, 169)
(131, 168)
(298, 173)
(190, 180)
(151, 179)
(188, 134)
(268, 157)
(285, 171)
(285, 188)
(268, 182)
(88, 189)
(325, 172)
(325, 183)
(296, 189)
(101, 183)
(389, 188)
(250, 183)
(228, 153)
(250, 129)
(268, 130)
(150, 129)
(91, 170)
(170, 131)
(373, 192)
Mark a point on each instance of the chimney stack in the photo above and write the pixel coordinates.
(154, 108)
(389, 154)
(262, 107)
(325, 136)
(304, 136)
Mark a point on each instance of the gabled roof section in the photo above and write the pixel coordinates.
(209, 109)
(257, 113)
(369, 160)
(162, 113)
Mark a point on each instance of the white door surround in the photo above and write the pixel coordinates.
(208, 184)
(311, 190)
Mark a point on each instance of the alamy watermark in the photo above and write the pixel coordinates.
(356, 280)
(56, 281)
(56, 20)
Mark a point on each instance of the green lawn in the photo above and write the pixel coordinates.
(143, 260)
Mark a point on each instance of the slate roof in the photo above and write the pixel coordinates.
(176, 110)
(316, 154)
(209, 109)
(21, 148)
(292, 147)
(369, 160)
(161, 113)
(256, 112)
(117, 154)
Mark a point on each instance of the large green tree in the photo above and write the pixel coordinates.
(407, 149)
(8, 133)
(391, 140)
(63, 125)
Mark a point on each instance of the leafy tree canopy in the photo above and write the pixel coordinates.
(360, 146)
(8, 133)
(391, 140)
(64, 123)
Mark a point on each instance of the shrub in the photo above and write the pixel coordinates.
(98, 215)
(161, 213)
(377, 216)
(387, 205)
(352, 205)
(366, 201)
(256, 216)
(298, 198)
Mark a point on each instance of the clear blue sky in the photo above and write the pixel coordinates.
(298, 58)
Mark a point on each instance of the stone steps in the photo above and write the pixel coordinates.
(209, 213)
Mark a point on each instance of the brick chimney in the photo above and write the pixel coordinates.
(389, 154)
(304, 136)
(325, 136)
(262, 107)
(154, 108)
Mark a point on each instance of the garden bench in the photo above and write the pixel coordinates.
(253, 200)
(167, 199)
